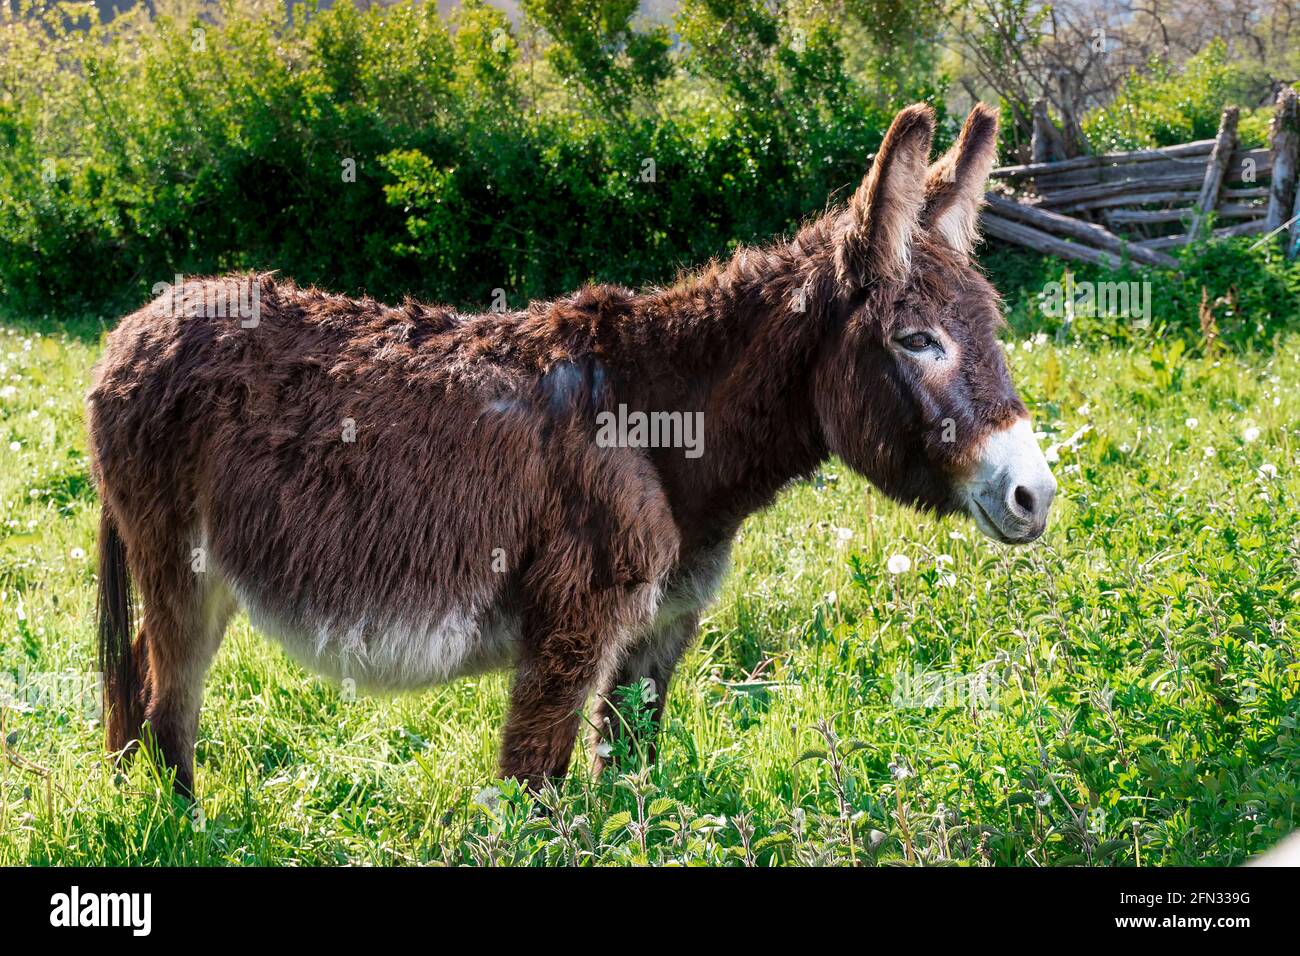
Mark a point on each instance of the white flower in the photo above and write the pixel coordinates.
(1191, 423)
(899, 564)
(1251, 433)
(1084, 410)
(15, 446)
(947, 579)
(843, 535)
(604, 749)
(1209, 451)
(942, 559)
(899, 769)
(77, 554)
(1267, 471)
(956, 536)
(488, 797)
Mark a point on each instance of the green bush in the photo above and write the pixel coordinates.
(392, 152)
(1164, 106)
(1249, 290)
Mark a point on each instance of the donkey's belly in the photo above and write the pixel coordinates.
(384, 651)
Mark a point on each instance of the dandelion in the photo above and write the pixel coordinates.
(1250, 434)
(1043, 799)
(1209, 451)
(843, 536)
(947, 579)
(898, 564)
(604, 749)
(942, 559)
(1267, 471)
(77, 554)
(1191, 422)
(15, 446)
(899, 769)
(956, 536)
(488, 797)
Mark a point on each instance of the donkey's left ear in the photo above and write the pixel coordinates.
(954, 186)
(877, 230)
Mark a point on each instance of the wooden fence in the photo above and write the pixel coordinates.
(1139, 204)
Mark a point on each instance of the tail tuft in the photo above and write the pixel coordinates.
(123, 687)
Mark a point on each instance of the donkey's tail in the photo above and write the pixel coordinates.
(123, 687)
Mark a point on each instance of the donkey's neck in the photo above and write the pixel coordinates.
(739, 345)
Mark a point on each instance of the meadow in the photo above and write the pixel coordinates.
(873, 686)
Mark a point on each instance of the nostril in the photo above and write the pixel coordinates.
(1024, 499)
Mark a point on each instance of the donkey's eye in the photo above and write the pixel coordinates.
(917, 342)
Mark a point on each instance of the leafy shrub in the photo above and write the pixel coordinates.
(1250, 293)
(1165, 106)
(393, 152)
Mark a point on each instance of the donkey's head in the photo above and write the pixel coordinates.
(914, 391)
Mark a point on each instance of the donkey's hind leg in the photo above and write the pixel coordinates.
(186, 607)
(653, 659)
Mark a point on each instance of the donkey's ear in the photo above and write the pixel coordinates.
(954, 186)
(876, 232)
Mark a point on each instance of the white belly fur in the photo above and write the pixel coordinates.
(413, 652)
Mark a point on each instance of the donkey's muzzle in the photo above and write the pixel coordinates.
(1010, 492)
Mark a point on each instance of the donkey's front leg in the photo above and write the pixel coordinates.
(653, 659)
(563, 657)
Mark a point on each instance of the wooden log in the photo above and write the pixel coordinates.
(1249, 228)
(1200, 147)
(1255, 163)
(1053, 223)
(1103, 190)
(1040, 241)
(1149, 216)
(1133, 199)
(1183, 214)
(1285, 140)
(1250, 166)
(1036, 169)
(1114, 173)
(1071, 177)
(1252, 192)
(1215, 171)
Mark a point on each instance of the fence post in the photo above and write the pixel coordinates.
(1224, 145)
(1285, 140)
(1293, 236)
(1046, 145)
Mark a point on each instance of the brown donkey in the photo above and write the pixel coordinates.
(403, 495)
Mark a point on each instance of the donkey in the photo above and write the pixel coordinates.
(402, 495)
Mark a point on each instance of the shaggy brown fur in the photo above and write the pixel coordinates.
(473, 521)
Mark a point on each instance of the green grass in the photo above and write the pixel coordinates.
(1141, 659)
